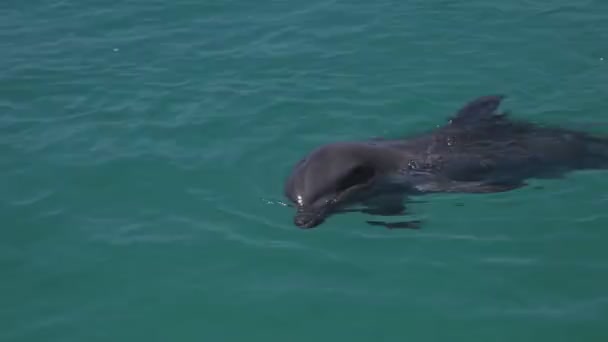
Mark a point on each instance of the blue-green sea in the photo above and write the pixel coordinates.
(144, 146)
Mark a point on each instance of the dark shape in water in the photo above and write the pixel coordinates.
(477, 151)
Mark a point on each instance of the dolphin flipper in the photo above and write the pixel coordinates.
(481, 188)
(416, 224)
(477, 110)
(478, 187)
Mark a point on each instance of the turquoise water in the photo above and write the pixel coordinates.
(145, 143)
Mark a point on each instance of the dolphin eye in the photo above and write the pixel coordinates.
(359, 175)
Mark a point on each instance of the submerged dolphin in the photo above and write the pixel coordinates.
(477, 151)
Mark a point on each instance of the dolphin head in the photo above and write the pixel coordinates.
(331, 176)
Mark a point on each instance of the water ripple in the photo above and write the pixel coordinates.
(39, 196)
(571, 310)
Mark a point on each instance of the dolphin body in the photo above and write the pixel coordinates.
(477, 151)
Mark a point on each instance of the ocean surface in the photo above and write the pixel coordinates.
(144, 145)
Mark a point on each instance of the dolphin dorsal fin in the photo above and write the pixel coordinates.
(477, 110)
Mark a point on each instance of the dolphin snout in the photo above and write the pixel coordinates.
(308, 219)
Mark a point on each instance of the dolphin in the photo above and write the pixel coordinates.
(478, 150)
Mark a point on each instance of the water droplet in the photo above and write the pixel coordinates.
(450, 141)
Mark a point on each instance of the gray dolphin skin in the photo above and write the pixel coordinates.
(478, 150)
